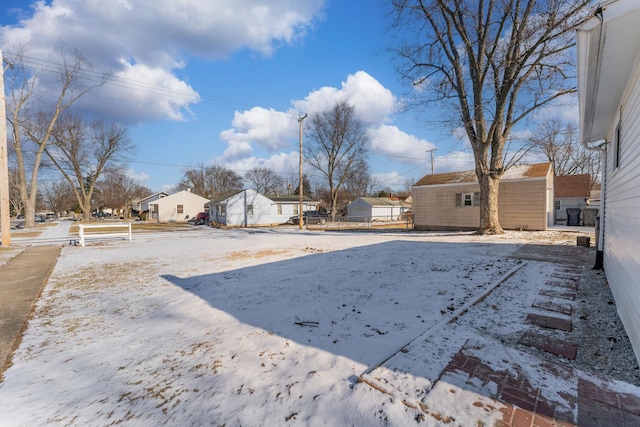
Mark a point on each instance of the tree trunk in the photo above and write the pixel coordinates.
(29, 214)
(489, 222)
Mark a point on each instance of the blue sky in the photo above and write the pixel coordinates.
(220, 82)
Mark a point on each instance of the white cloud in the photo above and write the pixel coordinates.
(269, 129)
(401, 147)
(141, 177)
(454, 161)
(147, 41)
(373, 103)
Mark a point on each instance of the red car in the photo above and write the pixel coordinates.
(202, 218)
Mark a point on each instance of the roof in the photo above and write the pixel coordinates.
(284, 198)
(538, 170)
(225, 196)
(180, 195)
(380, 201)
(608, 46)
(572, 185)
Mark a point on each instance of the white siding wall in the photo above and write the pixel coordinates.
(622, 214)
(191, 205)
(237, 206)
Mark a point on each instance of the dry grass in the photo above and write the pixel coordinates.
(260, 254)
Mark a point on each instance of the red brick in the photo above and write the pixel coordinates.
(550, 322)
(522, 418)
(541, 421)
(630, 403)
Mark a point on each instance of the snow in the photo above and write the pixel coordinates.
(264, 327)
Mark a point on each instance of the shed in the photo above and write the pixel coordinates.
(608, 48)
(451, 201)
(177, 207)
(243, 208)
(376, 209)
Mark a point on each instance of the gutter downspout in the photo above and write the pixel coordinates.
(599, 264)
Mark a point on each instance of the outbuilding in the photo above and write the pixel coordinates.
(451, 201)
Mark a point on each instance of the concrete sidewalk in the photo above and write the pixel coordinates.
(21, 281)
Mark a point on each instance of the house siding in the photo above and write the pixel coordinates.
(236, 214)
(622, 214)
(434, 207)
(167, 211)
(522, 204)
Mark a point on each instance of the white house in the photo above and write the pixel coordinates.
(178, 207)
(143, 204)
(376, 209)
(284, 207)
(241, 208)
(609, 96)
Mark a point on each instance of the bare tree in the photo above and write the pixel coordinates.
(336, 146)
(264, 180)
(494, 62)
(210, 181)
(82, 151)
(57, 195)
(119, 191)
(558, 140)
(359, 182)
(33, 109)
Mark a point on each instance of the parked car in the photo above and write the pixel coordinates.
(202, 218)
(311, 217)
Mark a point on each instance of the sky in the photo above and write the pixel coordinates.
(225, 83)
(167, 339)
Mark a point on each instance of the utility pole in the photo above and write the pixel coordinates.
(431, 152)
(300, 217)
(5, 218)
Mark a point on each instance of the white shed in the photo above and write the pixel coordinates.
(178, 207)
(241, 208)
(609, 96)
(375, 209)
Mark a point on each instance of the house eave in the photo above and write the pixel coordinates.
(608, 49)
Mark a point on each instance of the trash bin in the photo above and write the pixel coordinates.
(573, 216)
(589, 217)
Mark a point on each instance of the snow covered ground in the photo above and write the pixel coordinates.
(249, 327)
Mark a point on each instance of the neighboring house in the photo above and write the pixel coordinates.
(143, 204)
(376, 209)
(573, 192)
(241, 208)
(284, 207)
(178, 207)
(451, 201)
(608, 47)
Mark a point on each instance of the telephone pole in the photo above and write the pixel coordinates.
(301, 187)
(431, 152)
(5, 218)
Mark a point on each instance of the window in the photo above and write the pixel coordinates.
(295, 209)
(279, 209)
(222, 210)
(558, 205)
(249, 209)
(467, 199)
(180, 209)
